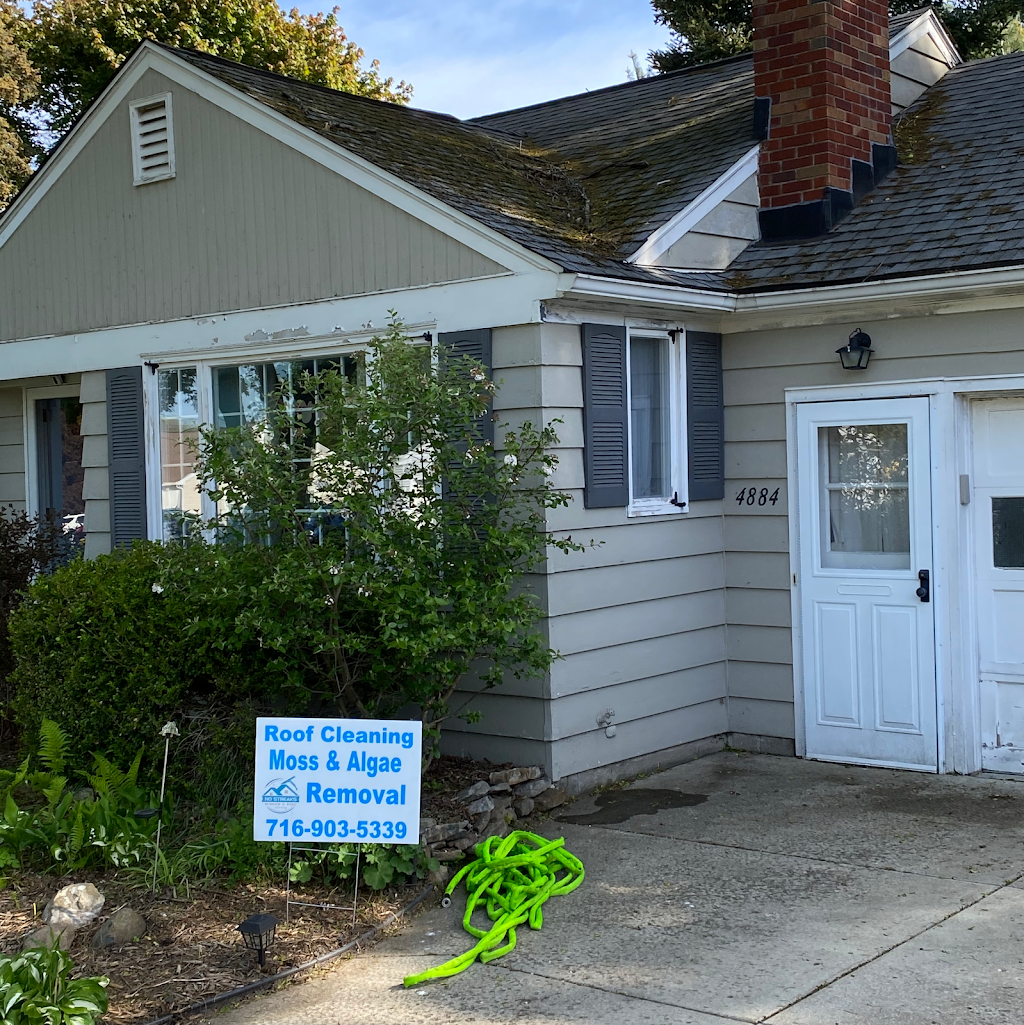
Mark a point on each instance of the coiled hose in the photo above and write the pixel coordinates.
(511, 877)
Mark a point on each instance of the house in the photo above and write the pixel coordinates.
(803, 551)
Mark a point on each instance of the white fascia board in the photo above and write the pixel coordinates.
(937, 293)
(388, 187)
(285, 330)
(676, 227)
(927, 25)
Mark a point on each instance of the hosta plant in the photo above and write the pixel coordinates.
(36, 987)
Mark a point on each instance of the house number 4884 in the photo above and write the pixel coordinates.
(751, 496)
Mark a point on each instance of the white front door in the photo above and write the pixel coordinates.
(865, 554)
(997, 502)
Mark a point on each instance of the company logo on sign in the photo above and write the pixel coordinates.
(281, 796)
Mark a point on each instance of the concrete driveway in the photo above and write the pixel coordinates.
(797, 893)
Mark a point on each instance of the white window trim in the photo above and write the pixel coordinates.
(677, 426)
(31, 396)
(138, 178)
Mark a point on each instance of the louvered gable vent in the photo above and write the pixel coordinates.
(152, 139)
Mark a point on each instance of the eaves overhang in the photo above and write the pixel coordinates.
(926, 295)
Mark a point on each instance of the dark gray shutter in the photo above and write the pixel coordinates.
(705, 416)
(126, 440)
(604, 417)
(475, 345)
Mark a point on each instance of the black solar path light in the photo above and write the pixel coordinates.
(854, 355)
(258, 932)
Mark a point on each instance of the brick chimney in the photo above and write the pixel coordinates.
(821, 81)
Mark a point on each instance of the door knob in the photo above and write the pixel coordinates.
(924, 591)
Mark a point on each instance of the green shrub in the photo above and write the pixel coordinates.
(36, 987)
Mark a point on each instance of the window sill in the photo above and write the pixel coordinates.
(655, 507)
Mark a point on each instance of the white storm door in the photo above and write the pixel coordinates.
(865, 552)
(997, 503)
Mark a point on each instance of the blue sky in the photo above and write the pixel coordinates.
(469, 57)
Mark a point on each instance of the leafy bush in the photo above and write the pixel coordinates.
(376, 549)
(113, 647)
(28, 547)
(36, 987)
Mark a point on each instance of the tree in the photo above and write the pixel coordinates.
(18, 84)
(713, 29)
(76, 46)
(376, 548)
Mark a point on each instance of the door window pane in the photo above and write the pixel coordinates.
(1008, 533)
(179, 430)
(649, 417)
(865, 497)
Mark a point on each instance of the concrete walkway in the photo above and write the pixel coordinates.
(797, 893)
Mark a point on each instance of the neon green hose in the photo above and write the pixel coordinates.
(511, 877)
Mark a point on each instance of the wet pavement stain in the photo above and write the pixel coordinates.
(615, 806)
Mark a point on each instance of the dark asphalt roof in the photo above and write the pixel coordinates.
(644, 150)
(955, 203)
(578, 215)
(584, 180)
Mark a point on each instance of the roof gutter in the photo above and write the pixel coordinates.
(938, 293)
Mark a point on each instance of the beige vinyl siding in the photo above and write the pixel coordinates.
(12, 450)
(639, 618)
(95, 461)
(918, 67)
(720, 236)
(247, 222)
(758, 367)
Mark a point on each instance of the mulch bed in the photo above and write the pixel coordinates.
(193, 949)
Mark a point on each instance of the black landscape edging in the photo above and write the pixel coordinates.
(252, 987)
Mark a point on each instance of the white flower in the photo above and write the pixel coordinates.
(510, 460)
(363, 592)
(328, 600)
(157, 589)
(334, 571)
(479, 375)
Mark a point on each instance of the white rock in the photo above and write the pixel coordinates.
(75, 905)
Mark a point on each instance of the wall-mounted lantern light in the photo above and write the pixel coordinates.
(854, 355)
(258, 934)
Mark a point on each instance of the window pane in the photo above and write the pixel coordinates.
(1008, 533)
(866, 497)
(179, 424)
(649, 417)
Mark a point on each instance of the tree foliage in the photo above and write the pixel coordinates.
(76, 45)
(18, 85)
(706, 30)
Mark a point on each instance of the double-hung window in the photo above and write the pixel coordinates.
(653, 418)
(231, 395)
(655, 442)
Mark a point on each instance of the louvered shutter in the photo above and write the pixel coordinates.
(127, 448)
(604, 417)
(705, 413)
(477, 346)
(152, 140)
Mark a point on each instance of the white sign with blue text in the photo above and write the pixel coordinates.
(356, 780)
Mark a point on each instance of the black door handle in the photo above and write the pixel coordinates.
(924, 592)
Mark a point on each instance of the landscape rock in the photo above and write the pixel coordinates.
(480, 822)
(479, 806)
(75, 905)
(533, 787)
(439, 876)
(452, 855)
(517, 775)
(444, 831)
(465, 842)
(123, 926)
(502, 803)
(501, 788)
(523, 806)
(46, 934)
(551, 798)
(471, 793)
